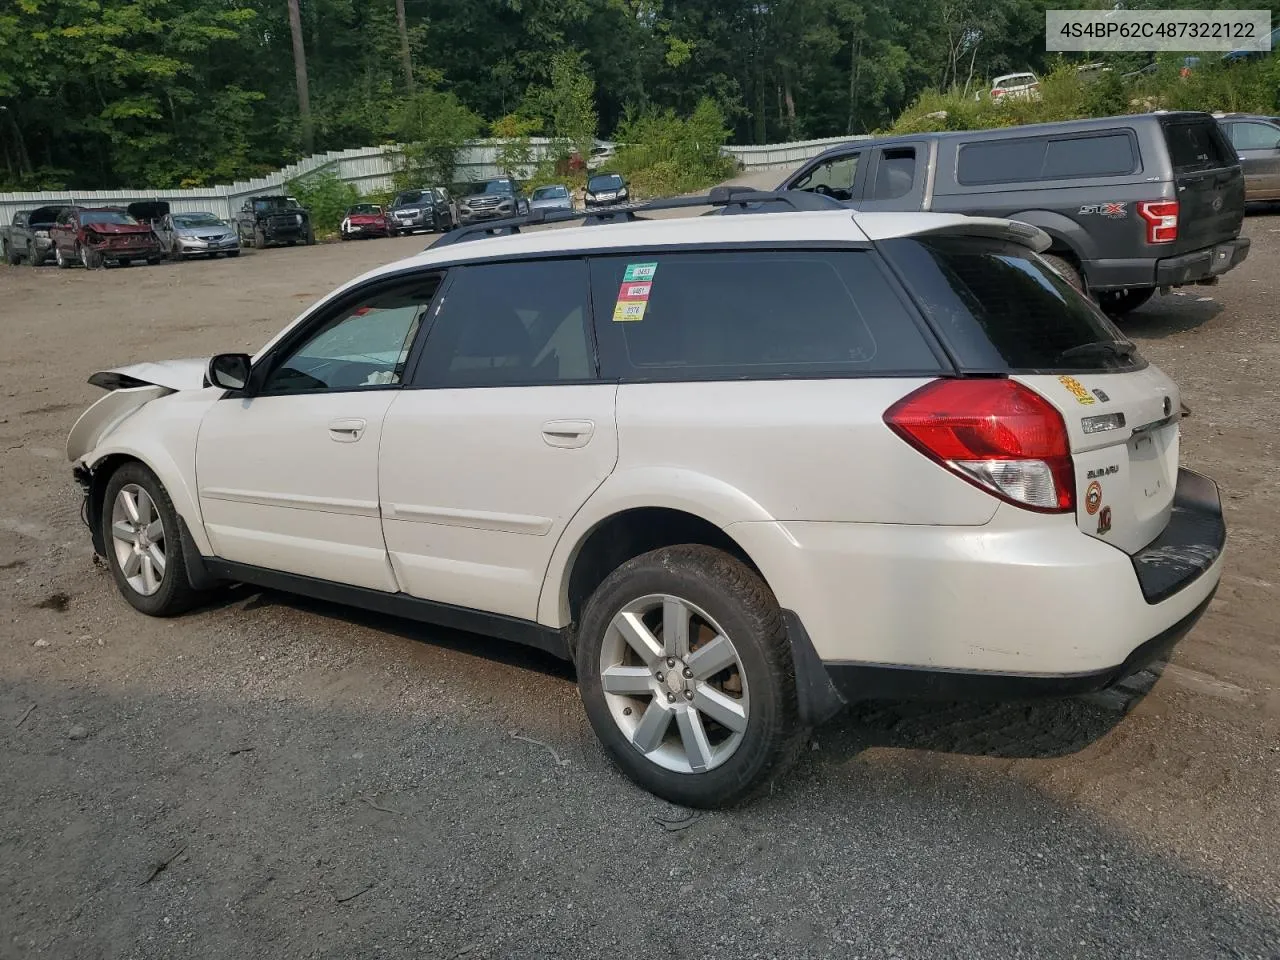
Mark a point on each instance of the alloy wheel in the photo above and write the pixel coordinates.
(138, 537)
(674, 684)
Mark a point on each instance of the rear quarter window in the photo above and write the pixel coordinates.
(1002, 309)
(752, 314)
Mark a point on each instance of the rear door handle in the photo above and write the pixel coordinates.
(346, 430)
(568, 433)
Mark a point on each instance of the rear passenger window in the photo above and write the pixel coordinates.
(1020, 160)
(508, 324)
(895, 174)
(757, 314)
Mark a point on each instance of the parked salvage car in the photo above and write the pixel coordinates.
(1256, 140)
(184, 235)
(552, 197)
(268, 220)
(1015, 86)
(430, 208)
(97, 236)
(738, 470)
(27, 238)
(1133, 204)
(606, 190)
(366, 220)
(495, 199)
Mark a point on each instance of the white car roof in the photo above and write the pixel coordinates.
(812, 227)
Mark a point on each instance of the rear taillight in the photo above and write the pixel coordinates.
(997, 92)
(997, 434)
(1161, 217)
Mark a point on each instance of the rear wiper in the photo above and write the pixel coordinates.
(1110, 348)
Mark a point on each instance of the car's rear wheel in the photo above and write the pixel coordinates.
(686, 675)
(259, 238)
(35, 256)
(1119, 302)
(144, 543)
(11, 256)
(1066, 269)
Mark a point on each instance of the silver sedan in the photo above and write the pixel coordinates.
(554, 197)
(185, 235)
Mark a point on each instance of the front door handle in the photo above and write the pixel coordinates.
(346, 430)
(568, 433)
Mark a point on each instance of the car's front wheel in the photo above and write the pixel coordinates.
(144, 543)
(686, 674)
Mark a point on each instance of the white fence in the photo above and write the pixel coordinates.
(368, 169)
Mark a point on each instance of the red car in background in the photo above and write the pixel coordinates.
(95, 236)
(366, 220)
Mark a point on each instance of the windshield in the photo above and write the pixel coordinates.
(365, 208)
(267, 204)
(196, 220)
(550, 193)
(1003, 309)
(106, 216)
(409, 196)
(491, 186)
(607, 182)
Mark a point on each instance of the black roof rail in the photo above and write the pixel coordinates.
(745, 197)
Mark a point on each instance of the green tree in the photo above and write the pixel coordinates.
(434, 126)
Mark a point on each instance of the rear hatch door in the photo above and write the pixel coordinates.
(1002, 311)
(1208, 182)
(1124, 443)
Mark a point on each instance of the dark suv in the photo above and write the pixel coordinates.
(263, 221)
(1132, 204)
(427, 209)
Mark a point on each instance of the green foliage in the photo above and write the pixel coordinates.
(327, 197)
(515, 149)
(567, 104)
(434, 126)
(663, 154)
(1066, 94)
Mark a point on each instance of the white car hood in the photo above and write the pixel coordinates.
(187, 374)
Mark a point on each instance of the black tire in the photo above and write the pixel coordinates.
(92, 259)
(233, 253)
(259, 238)
(153, 261)
(311, 237)
(737, 599)
(1066, 269)
(35, 256)
(64, 262)
(175, 594)
(1117, 303)
(11, 257)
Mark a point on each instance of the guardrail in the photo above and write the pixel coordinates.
(369, 169)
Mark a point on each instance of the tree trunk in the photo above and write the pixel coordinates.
(855, 67)
(300, 74)
(789, 100)
(405, 55)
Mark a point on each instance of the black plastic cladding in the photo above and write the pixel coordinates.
(792, 200)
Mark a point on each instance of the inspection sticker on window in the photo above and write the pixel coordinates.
(633, 295)
(640, 271)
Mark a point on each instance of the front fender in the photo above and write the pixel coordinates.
(161, 434)
(674, 488)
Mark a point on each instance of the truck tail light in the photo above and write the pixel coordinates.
(997, 434)
(1161, 217)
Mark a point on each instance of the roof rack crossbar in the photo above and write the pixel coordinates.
(797, 200)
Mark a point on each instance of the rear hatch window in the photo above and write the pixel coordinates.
(1197, 145)
(1002, 309)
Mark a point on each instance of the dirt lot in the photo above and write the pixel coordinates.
(315, 783)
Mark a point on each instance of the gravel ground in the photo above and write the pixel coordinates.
(284, 778)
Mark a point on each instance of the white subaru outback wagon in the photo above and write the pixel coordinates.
(741, 470)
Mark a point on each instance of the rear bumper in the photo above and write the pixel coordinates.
(1148, 272)
(1025, 605)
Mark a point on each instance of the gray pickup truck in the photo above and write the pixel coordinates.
(27, 238)
(1133, 204)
